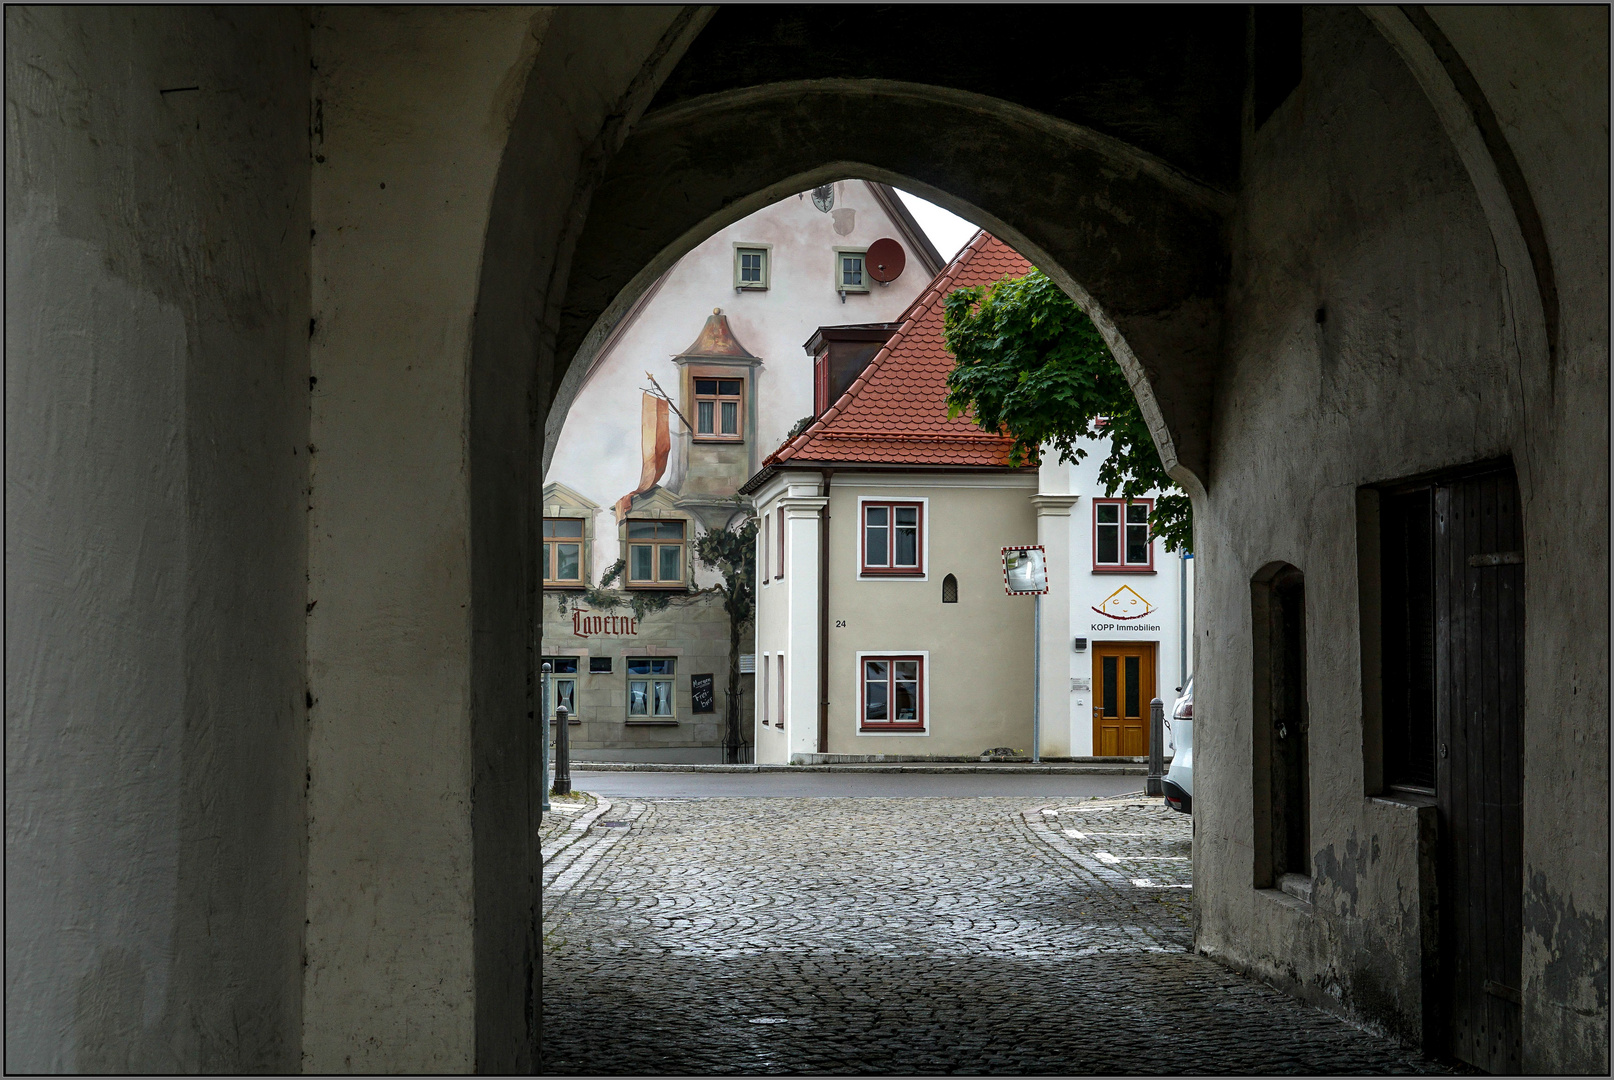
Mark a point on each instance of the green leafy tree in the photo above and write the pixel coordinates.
(1030, 363)
(732, 552)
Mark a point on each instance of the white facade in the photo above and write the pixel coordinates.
(599, 453)
(1107, 605)
(985, 640)
(624, 461)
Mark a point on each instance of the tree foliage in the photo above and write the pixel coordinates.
(1030, 363)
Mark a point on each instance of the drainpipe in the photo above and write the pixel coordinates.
(1182, 622)
(823, 618)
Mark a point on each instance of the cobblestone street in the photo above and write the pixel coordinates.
(870, 935)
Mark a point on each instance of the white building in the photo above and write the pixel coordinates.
(883, 624)
(1120, 614)
(636, 477)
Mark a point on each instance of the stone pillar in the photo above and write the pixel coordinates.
(1053, 533)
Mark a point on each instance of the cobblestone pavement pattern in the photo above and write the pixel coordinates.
(693, 936)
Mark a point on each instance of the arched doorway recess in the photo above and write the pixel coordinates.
(1254, 278)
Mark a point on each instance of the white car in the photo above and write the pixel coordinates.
(1179, 780)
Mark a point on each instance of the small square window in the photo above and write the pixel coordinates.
(850, 273)
(599, 665)
(751, 267)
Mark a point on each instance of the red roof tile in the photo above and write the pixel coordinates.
(895, 412)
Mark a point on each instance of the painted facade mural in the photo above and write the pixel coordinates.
(703, 376)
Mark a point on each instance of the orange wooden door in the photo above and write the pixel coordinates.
(1123, 686)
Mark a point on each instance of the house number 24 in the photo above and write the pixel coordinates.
(840, 622)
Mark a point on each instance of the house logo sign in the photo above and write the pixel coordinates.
(1124, 603)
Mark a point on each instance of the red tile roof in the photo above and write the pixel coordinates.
(895, 412)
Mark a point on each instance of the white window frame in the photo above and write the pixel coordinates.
(860, 252)
(763, 547)
(927, 524)
(767, 267)
(924, 695)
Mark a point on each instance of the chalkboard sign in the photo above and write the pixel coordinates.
(701, 693)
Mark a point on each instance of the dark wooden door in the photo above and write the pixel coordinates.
(1123, 677)
(1479, 644)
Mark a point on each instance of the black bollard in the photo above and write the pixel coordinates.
(563, 756)
(1157, 748)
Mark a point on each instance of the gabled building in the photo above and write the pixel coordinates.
(677, 409)
(883, 623)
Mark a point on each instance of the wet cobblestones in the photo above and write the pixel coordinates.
(976, 935)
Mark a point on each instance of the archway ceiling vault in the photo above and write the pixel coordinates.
(1111, 172)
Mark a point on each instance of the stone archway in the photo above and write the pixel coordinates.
(1152, 246)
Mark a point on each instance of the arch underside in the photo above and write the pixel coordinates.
(1141, 245)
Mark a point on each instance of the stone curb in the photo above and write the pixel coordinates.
(575, 829)
(1040, 770)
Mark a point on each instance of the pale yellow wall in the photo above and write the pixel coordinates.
(980, 664)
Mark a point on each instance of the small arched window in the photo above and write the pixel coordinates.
(949, 589)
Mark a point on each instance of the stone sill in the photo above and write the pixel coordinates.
(651, 723)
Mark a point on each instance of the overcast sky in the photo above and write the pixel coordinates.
(946, 230)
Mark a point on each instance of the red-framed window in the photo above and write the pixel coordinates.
(1121, 540)
(893, 537)
(891, 693)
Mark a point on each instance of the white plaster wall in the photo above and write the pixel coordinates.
(156, 425)
(1082, 590)
(781, 611)
(415, 107)
(598, 453)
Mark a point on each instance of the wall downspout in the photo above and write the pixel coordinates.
(823, 617)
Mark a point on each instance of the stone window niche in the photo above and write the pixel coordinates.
(1280, 729)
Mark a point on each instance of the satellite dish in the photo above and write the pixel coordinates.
(884, 260)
